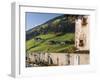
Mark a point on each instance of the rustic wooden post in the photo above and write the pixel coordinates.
(57, 61)
(76, 60)
(68, 59)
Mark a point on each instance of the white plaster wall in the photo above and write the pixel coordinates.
(79, 31)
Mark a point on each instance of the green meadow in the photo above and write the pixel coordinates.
(51, 43)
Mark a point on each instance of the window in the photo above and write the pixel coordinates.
(81, 43)
(84, 21)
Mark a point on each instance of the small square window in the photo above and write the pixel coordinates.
(81, 43)
(84, 21)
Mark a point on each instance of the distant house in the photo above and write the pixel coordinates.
(82, 33)
(38, 39)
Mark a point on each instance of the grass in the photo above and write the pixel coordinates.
(35, 46)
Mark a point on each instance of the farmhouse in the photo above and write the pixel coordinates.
(38, 39)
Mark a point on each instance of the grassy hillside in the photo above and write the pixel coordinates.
(56, 35)
(60, 24)
(46, 46)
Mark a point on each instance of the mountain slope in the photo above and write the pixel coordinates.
(56, 35)
(63, 24)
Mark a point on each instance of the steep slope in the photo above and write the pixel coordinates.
(63, 24)
(56, 35)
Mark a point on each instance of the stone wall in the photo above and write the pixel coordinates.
(59, 59)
